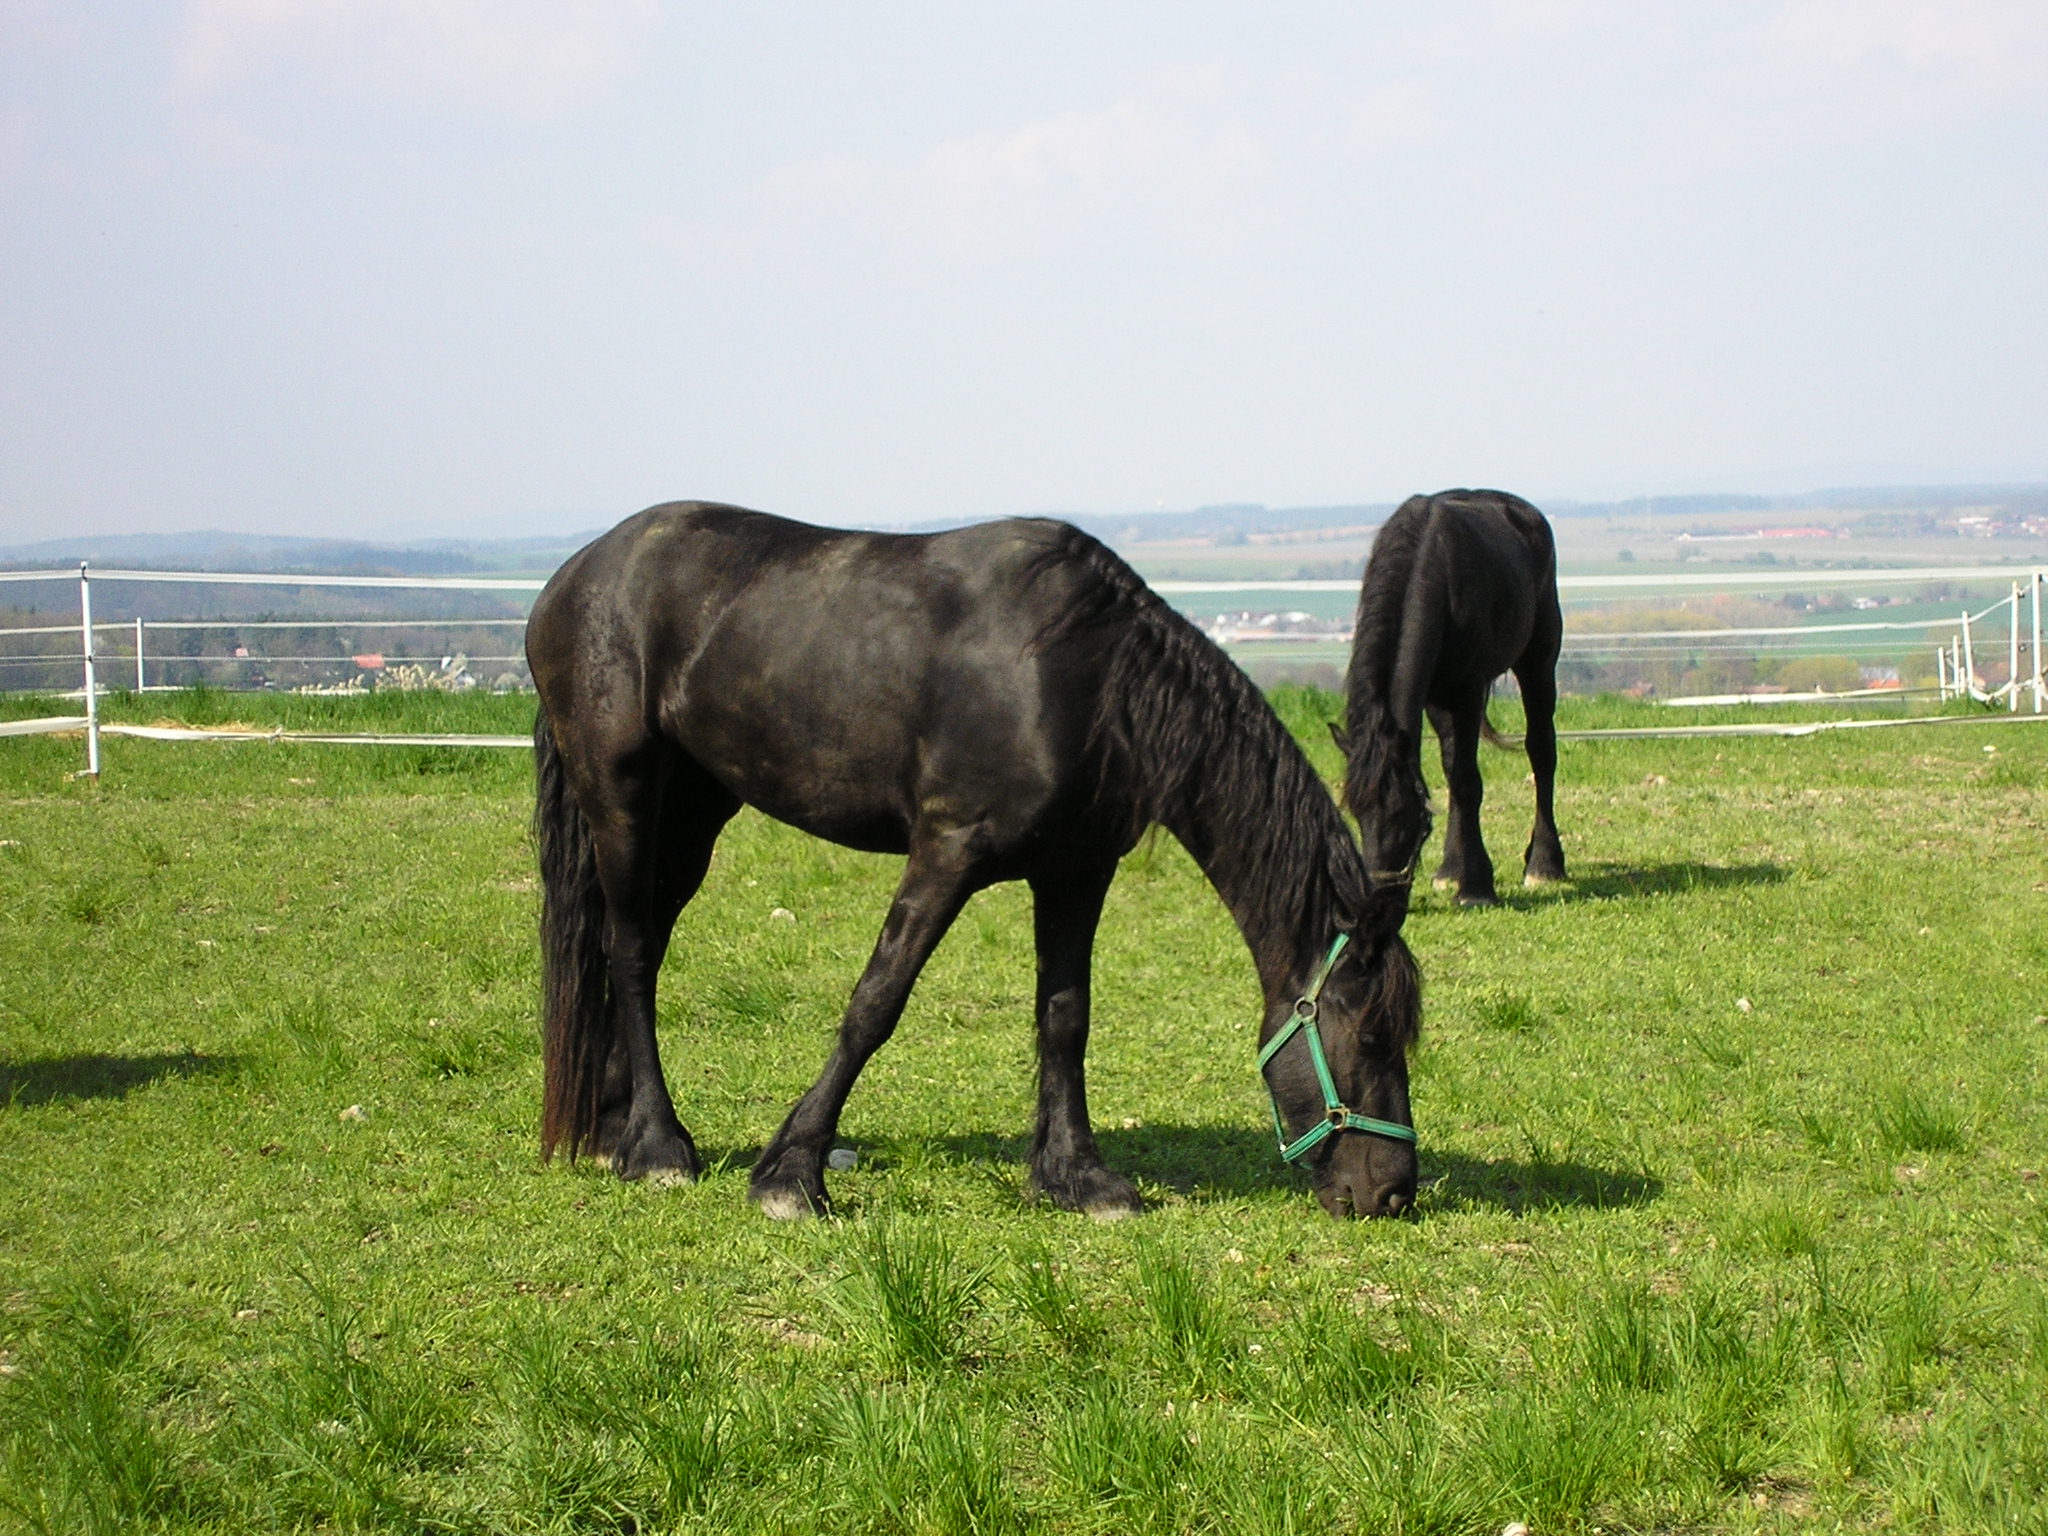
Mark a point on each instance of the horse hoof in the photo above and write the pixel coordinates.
(656, 1165)
(1534, 880)
(1093, 1190)
(1477, 900)
(781, 1205)
(788, 1205)
(655, 1175)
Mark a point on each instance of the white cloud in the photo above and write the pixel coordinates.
(525, 56)
(1948, 47)
(971, 189)
(1133, 141)
(1400, 113)
(1169, 146)
(1525, 17)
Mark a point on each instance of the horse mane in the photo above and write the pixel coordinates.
(1195, 747)
(1383, 766)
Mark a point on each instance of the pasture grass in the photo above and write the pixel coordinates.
(1733, 1148)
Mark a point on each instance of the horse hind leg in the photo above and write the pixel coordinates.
(789, 1180)
(1066, 1165)
(694, 808)
(1543, 860)
(652, 835)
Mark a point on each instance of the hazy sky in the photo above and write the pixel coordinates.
(477, 266)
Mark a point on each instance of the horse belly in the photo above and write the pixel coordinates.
(825, 771)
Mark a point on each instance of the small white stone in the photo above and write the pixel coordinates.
(355, 1112)
(1514, 1528)
(782, 915)
(1742, 1005)
(839, 1159)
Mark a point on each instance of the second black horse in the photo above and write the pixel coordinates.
(1460, 587)
(1002, 702)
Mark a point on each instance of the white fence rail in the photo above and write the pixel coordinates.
(1956, 659)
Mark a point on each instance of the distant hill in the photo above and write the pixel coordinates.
(217, 551)
(1224, 524)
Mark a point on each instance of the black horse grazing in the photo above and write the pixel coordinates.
(1002, 702)
(1460, 587)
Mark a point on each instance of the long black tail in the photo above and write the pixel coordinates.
(576, 1019)
(1493, 738)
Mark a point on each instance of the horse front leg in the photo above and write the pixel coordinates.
(789, 1180)
(1465, 864)
(1066, 1165)
(1543, 861)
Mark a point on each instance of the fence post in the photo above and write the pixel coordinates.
(2034, 586)
(2012, 652)
(92, 692)
(138, 655)
(1969, 658)
(1941, 674)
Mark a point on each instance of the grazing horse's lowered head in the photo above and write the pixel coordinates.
(1335, 1059)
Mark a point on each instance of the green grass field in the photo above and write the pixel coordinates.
(1733, 1216)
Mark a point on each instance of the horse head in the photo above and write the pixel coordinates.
(1336, 1064)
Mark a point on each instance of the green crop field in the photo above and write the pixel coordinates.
(1733, 1216)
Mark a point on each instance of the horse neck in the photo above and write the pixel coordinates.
(1280, 869)
(1399, 626)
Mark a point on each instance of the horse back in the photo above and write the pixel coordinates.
(862, 686)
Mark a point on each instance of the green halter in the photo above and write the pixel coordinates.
(1336, 1117)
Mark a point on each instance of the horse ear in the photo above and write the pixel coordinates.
(1342, 737)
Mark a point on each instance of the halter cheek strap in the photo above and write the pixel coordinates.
(1336, 1117)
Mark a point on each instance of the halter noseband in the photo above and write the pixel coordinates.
(1336, 1116)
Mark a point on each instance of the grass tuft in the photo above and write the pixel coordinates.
(1509, 1013)
(81, 1446)
(908, 1299)
(1045, 1291)
(912, 1459)
(1193, 1332)
(1911, 1121)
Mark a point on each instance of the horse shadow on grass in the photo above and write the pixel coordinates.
(1609, 880)
(1204, 1162)
(95, 1075)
